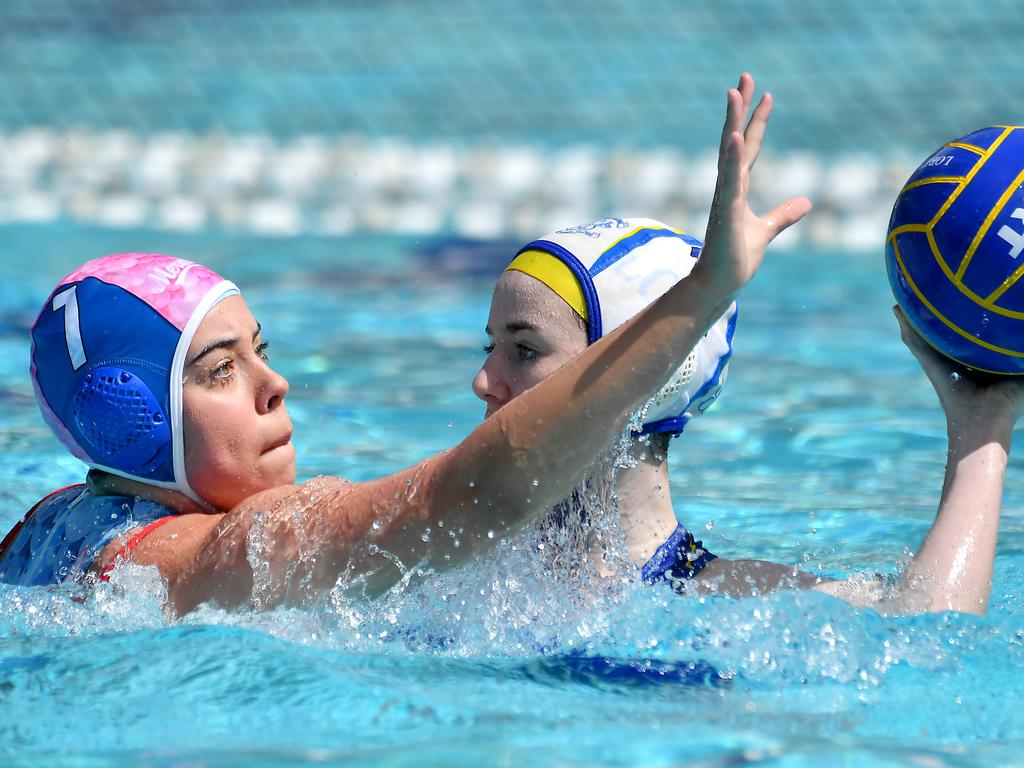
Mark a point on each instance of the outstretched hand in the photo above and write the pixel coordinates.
(736, 237)
(965, 395)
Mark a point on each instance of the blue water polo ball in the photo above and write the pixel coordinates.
(955, 249)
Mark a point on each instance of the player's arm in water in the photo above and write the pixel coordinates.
(294, 541)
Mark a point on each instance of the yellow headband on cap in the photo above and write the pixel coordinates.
(555, 274)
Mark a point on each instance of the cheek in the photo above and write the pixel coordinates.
(215, 436)
(531, 374)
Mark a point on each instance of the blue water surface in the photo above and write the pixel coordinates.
(826, 450)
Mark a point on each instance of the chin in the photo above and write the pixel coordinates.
(283, 471)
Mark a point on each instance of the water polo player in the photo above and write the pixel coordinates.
(155, 377)
(561, 293)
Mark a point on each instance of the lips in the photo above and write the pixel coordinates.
(282, 441)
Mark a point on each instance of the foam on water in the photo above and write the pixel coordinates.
(444, 664)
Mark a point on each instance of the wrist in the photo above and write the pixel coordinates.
(973, 430)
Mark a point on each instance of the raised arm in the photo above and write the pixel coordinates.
(523, 459)
(516, 464)
(953, 568)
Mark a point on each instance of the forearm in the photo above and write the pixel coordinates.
(953, 568)
(526, 457)
(282, 545)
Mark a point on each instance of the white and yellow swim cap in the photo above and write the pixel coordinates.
(611, 269)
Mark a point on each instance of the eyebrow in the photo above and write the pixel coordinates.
(514, 327)
(222, 344)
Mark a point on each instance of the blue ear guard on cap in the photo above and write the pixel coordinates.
(109, 353)
(102, 363)
(121, 422)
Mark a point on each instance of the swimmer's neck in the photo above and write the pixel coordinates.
(645, 501)
(104, 484)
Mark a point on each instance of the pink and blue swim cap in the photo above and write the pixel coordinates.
(108, 359)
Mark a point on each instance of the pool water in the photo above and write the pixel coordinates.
(826, 450)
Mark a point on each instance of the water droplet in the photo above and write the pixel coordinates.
(536, 482)
(490, 534)
(954, 376)
(472, 483)
(709, 525)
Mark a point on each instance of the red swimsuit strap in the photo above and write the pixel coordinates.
(133, 542)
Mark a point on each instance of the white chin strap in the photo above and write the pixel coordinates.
(215, 295)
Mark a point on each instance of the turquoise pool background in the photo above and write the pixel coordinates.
(827, 448)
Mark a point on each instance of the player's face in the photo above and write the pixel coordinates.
(237, 433)
(532, 333)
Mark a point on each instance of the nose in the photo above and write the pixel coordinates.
(490, 385)
(272, 391)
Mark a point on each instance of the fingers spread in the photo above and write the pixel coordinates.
(738, 102)
(746, 89)
(731, 173)
(734, 112)
(756, 129)
(786, 215)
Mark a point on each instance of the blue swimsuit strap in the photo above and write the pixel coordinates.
(675, 551)
(665, 556)
(12, 534)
